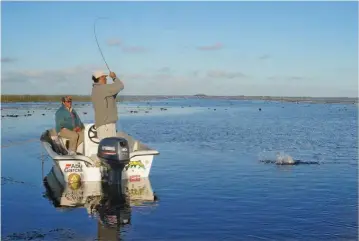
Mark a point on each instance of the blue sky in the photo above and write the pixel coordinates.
(216, 48)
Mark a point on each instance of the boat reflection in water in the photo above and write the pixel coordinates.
(111, 204)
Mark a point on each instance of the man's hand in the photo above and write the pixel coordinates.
(77, 129)
(112, 75)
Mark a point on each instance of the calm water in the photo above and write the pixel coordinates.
(210, 183)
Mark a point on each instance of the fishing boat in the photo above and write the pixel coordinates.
(121, 157)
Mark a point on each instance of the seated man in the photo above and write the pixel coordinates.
(69, 125)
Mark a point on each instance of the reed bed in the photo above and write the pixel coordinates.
(129, 98)
(75, 98)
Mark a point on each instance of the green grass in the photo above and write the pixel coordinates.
(57, 98)
(40, 98)
(121, 98)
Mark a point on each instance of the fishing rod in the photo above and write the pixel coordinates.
(98, 45)
(94, 30)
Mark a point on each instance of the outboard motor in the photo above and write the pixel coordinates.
(114, 152)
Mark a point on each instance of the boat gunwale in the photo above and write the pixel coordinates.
(86, 159)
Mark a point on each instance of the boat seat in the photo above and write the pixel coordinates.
(58, 141)
(64, 142)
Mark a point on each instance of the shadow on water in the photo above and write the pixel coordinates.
(110, 204)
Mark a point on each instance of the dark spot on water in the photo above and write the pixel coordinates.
(25, 236)
(296, 162)
(260, 109)
(9, 180)
(53, 234)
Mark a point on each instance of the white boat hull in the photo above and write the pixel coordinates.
(86, 167)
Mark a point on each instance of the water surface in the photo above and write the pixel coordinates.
(208, 177)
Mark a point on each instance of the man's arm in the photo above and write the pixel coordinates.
(78, 120)
(114, 88)
(59, 119)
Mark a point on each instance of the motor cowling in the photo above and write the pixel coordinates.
(114, 151)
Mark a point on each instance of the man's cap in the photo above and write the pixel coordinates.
(98, 74)
(66, 98)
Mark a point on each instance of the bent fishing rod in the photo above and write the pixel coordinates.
(94, 30)
(98, 45)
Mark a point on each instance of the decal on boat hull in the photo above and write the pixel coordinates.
(135, 164)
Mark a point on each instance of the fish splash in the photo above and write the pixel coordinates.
(284, 159)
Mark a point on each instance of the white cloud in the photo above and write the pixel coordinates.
(164, 81)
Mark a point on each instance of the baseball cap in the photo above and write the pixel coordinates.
(66, 98)
(98, 74)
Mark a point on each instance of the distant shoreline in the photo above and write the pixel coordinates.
(132, 98)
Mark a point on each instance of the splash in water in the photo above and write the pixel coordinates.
(285, 159)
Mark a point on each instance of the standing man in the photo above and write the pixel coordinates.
(69, 124)
(104, 103)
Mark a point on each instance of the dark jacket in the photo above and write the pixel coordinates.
(104, 102)
(64, 119)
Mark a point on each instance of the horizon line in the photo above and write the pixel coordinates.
(189, 95)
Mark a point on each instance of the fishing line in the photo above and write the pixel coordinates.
(94, 30)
